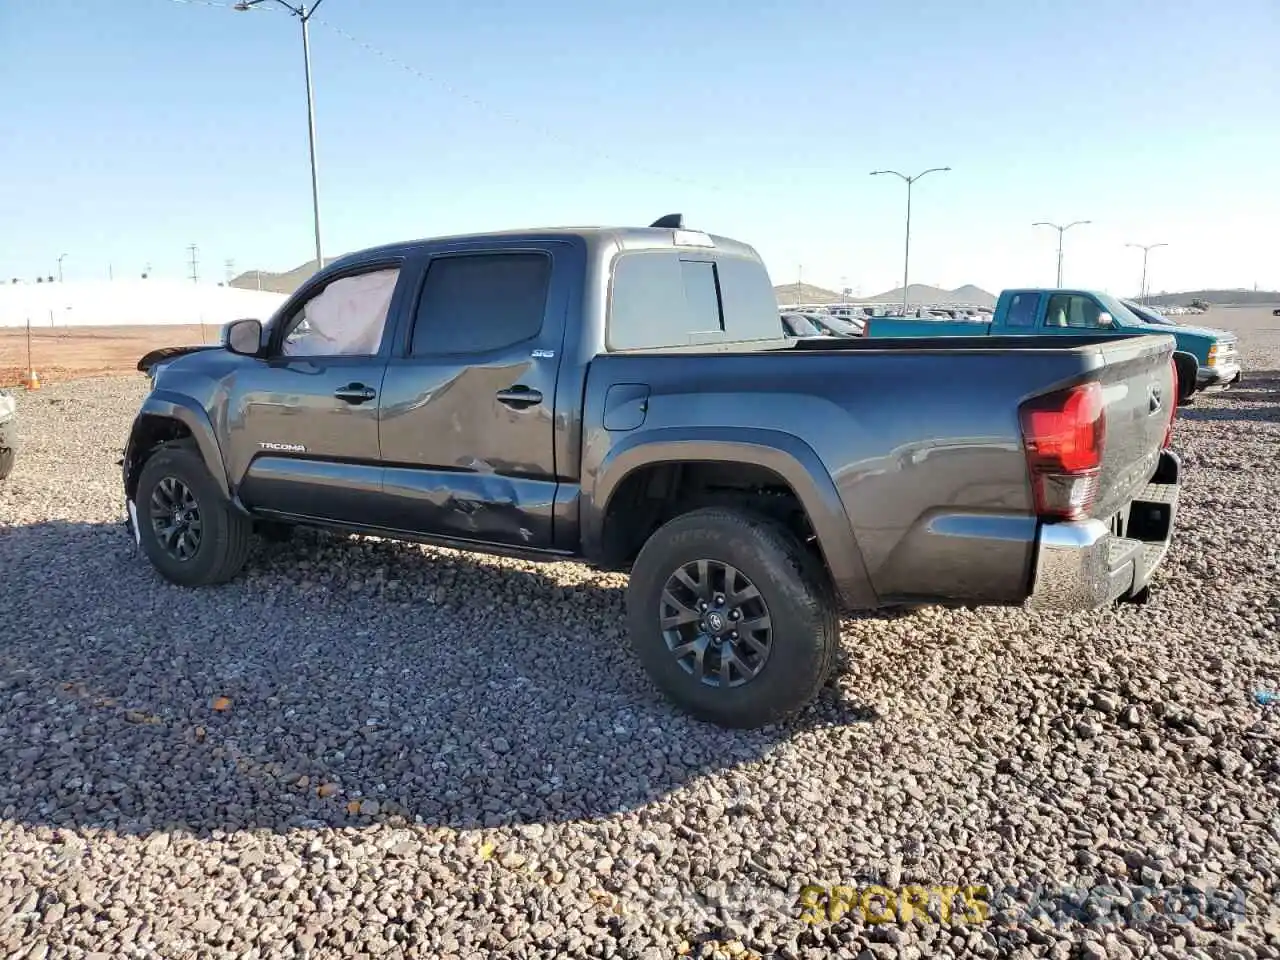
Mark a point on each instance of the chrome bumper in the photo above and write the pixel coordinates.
(1086, 564)
(1211, 379)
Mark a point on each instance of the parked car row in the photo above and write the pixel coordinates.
(624, 396)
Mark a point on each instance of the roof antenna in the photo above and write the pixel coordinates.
(672, 221)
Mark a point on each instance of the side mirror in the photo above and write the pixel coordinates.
(243, 337)
(1106, 320)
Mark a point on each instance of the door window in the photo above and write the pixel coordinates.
(345, 319)
(476, 303)
(1073, 310)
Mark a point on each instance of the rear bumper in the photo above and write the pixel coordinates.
(1086, 564)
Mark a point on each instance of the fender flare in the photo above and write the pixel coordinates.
(186, 411)
(786, 455)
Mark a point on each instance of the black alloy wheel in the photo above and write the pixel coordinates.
(716, 623)
(175, 519)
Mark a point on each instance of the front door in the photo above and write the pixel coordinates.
(468, 403)
(307, 436)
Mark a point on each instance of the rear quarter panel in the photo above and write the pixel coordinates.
(923, 448)
(893, 327)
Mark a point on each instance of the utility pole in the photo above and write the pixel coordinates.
(906, 255)
(60, 259)
(304, 14)
(231, 271)
(1146, 249)
(1061, 231)
(195, 263)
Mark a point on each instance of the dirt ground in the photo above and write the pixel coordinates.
(65, 353)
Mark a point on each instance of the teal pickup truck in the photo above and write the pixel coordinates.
(1050, 312)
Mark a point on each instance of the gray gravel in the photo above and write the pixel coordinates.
(425, 753)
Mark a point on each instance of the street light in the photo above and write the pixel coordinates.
(1061, 231)
(1145, 248)
(60, 259)
(304, 14)
(906, 257)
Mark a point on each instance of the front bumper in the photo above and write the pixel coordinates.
(1088, 564)
(1212, 379)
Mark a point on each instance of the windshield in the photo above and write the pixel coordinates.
(838, 325)
(799, 326)
(1149, 315)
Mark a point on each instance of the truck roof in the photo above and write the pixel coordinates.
(623, 238)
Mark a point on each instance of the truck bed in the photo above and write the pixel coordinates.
(920, 437)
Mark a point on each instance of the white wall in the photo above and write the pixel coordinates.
(99, 303)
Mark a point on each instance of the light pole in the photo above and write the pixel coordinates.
(60, 259)
(906, 256)
(304, 14)
(1061, 231)
(1145, 248)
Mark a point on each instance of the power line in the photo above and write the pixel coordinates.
(505, 115)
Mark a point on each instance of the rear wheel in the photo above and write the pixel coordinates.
(187, 529)
(732, 617)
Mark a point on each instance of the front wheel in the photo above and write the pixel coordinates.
(187, 529)
(734, 620)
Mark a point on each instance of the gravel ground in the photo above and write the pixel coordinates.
(369, 748)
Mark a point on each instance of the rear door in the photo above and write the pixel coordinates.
(304, 420)
(467, 415)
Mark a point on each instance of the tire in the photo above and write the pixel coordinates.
(7, 456)
(799, 604)
(223, 543)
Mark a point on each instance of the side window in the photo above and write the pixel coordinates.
(1080, 312)
(345, 319)
(1022, 310)
(1055, 315)
(662, 299)
(474, 303)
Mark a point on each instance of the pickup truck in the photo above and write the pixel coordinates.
(625, 396)
(1062, 312)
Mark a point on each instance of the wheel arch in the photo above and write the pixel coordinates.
(782, 455)
(165, 418)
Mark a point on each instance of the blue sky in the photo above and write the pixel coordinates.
(137, 127)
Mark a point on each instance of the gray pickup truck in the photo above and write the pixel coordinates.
(625, 396)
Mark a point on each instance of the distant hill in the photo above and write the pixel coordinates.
(1242, 297)
(922, 293)
(808, 293)
(916, 293)
(278, 282)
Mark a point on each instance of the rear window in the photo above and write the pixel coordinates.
(672, 298)
(1022, 310)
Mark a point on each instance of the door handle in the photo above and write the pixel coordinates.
(520, 396)
(355, 393)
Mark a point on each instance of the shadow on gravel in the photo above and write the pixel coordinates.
(1256, 397)
(441, 687)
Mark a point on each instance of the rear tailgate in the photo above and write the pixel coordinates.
(1139, 396)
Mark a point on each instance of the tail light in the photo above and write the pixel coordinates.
(1063, 434)
(1173, 407)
